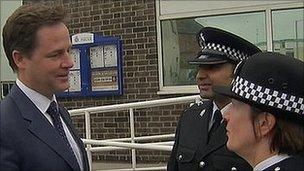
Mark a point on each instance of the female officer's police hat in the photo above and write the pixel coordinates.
(219, 46)
(269, 81)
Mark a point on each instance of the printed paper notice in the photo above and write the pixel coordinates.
(74, 80)
(110, 55)
(75, 54)
(104, 80)
(96, 57)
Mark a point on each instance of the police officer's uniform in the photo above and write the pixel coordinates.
(287, 163)
(195, 148)
(274, 83)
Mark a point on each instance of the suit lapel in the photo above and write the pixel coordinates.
(69, 124)
(218, 139)
(204, 124)
(80, 144)
(194, 122)
(203, 127)
(50, 137)
(41, 128)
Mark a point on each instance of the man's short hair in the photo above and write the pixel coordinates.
(20, 29)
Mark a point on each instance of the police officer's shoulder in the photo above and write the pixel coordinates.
(195, 108)
(291, 163)
(198, 104)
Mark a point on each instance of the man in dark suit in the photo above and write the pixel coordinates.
(200, 139)
(36, 133)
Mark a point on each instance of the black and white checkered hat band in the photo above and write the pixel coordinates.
(267, 96)
(232, 53)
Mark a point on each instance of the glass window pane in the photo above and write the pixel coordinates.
(288, 32)
(179, 42)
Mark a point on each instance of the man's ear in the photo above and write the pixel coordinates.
(19, 59)
(266, 122)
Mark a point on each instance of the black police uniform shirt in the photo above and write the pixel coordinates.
(194, 150)
(281, 163)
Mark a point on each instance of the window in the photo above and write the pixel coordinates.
(288, 32)
(271, 25)
(180, 43)
(6, 88)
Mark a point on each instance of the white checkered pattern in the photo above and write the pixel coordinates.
(232, 53)
(267, 96)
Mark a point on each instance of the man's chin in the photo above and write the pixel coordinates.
(63, 88)
(206, 95)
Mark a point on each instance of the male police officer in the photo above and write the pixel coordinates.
(200, 140)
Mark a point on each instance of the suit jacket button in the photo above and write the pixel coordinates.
(277, 169)
(233, 169)
(202, 164)
(180, 157)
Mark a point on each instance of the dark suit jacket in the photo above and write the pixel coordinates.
(193, 150)
(29, 142)
(294, 163)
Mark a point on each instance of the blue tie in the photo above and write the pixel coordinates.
(55, 115)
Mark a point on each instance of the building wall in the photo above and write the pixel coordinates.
(135, 23)
(6, 73)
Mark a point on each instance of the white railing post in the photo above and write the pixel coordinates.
(119, 143)
(132, 130)
(88, 136)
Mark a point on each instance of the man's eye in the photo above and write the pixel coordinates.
(54, 55)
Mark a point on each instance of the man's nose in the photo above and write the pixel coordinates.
(68, 61)
(201, 76)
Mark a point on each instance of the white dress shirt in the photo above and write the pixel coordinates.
(215, 108)
(42, 103)
(269, 162)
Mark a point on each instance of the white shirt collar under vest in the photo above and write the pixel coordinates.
(270, 161)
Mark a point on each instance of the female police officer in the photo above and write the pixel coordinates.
(265, 121)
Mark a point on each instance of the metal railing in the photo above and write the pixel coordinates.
(132, 141)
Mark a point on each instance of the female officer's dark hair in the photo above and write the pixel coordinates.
(287, 135)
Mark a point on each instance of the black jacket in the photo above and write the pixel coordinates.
(193, 150)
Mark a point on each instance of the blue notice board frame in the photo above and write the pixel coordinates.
(96, 72)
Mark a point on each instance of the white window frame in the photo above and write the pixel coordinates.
(267, 7)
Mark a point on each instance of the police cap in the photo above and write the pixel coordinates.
(219, 46)
(269, 81)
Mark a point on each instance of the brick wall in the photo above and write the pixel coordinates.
(134, 22)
